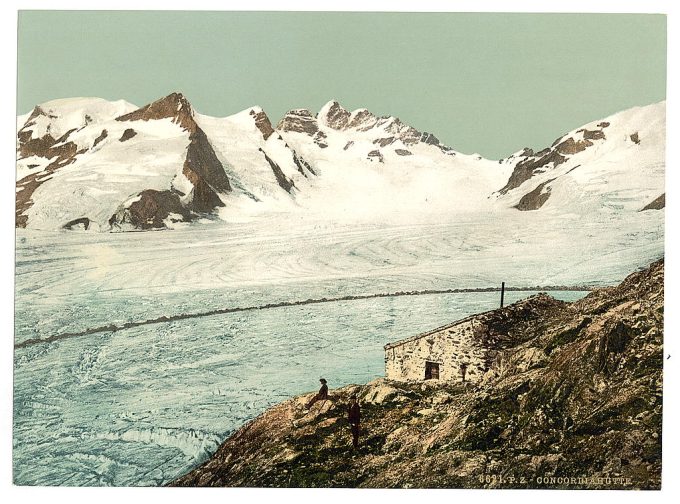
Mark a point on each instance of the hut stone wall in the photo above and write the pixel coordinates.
(449, 349)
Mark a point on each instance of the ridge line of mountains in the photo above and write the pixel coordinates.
(86, 163)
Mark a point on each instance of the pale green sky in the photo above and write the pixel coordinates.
(487, 83)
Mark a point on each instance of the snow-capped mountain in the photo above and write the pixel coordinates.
(615, 163)
(93, 164)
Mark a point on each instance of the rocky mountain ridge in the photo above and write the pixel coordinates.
(386, 130)
(92, 164)
(588, 156)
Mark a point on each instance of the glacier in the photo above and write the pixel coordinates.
(140, 406)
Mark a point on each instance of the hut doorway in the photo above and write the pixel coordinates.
(431, 370)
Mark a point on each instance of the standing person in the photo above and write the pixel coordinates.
(321, 396)
(463, 370)
(354, 417)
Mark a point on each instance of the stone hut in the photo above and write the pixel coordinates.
(464, 350)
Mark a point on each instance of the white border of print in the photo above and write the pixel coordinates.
(55, 495)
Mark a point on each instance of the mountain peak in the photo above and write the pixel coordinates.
(177, 99)
(333, 115)
(330, 103)
(56, 118)
(298, 121)
(174, 106)
(362, 119)
(30, 120)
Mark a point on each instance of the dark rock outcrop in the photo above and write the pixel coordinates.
(263, 123)
(363, 120)
(298, 121)
(204, 198)
(407, 134)
(82, 221)
(572, 399)
(525, 169)
(320, 139)
(571, 146)
(384, 142)
(337, 117)
(403, 152)
(150, 210)
(375, 154)
(284, 182)
(202, 160)
(302, 165)
(535, 199)
(429, 139)
(593, 135)
(635, 137)
(657, 204)
(100, 138)
(127, 135)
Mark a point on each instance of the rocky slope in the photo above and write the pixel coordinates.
(573, 399)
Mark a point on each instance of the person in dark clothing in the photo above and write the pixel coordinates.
(321, 396)
(354, 417)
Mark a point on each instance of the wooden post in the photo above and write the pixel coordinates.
(502, 293)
